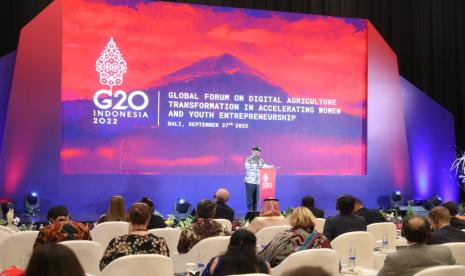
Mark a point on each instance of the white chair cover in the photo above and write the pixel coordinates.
(3, 236)
(6, 229)
(171, 236)
(17, 246)
(103, 233)
(201, 252)
(88, 253)
(458, 251)
(265, 235)
(225, 223)
(443, 270)
(319, 224)
(139, 265)
(363, 244)
(379, 229)
(326, 258)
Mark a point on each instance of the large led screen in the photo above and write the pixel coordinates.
(168, 88)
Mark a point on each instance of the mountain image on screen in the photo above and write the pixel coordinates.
(133, 146)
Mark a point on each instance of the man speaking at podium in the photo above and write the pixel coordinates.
(252, 164)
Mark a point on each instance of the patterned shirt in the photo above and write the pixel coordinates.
(199, 230)
(252, 165)
(132, 244)
(64, 230)
(290, 241)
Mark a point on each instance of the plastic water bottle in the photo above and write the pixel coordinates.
(352, 258)
(385, 242)
(200, 264)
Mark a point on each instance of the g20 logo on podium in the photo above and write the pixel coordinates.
(266, 184)
(114, 105)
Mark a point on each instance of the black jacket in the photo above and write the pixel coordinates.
(457, 223)
(317, 212)
(446, 234)
(341, 224)
(370, 215)
(224, 211)
(156, 222)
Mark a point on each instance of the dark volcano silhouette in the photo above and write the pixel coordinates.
(208, 67)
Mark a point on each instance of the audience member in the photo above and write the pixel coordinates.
(301, 236)
(439, 218)
(223, 211)
(116, 210)
(203, 227)
(270, 215)
(156, 221)
(306, 271)
(61, 228)
(345, 221)
(54, 260)
(370, 215)
(418, 255)
(240, 258)
(138, 241)
(453, 210)
(309, 202)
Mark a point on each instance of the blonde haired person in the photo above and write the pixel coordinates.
(270, 215)
(116, 210)
(301, 236)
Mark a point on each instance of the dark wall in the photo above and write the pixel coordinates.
(427, 35)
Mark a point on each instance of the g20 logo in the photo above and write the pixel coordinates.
(114, 105)
(120, 100)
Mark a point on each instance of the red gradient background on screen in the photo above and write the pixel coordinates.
(298, 55)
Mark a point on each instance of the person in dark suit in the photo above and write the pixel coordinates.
(453, 211)
(443, 232)
(309, 202)
(370, 215)
(418, 255)
(156, 221)
(222, 210)
(345, 221)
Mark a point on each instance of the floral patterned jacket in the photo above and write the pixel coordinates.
(199, 230)
(132, 244)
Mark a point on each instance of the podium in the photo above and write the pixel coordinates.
(266, 188)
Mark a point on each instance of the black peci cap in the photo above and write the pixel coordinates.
(257, 148)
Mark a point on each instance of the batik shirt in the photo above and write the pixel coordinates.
(252, 165)
(199, 230)
(134, 244)
(65, 230)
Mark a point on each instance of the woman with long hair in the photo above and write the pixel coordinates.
(54, 260)
(240, 257)
(116, 210)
